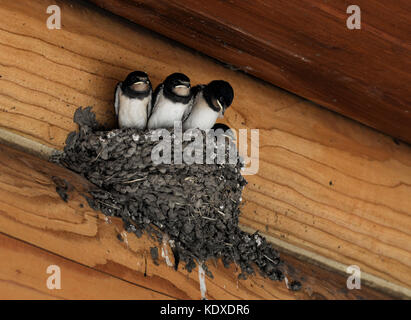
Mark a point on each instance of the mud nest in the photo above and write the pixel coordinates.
(195, 206)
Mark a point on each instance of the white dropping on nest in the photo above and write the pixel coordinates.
(164, 252)
(135, 137)
(201, 278)
(124, 235)
(286, 282)
(258, 240)
(111, 134)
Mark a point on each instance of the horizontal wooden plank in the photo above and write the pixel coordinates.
(328, 186)
(23, 275)
(302, 46)
(95, 264)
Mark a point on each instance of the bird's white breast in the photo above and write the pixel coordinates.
(202, 116)
(133, 112)
(166, 113)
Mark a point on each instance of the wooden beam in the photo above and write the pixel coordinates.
(303, 46)
(96, 265)
(23, 275)
(328, 188)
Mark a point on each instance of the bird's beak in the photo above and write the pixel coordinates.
(220, 106)
(140, 85)
(222, 109)
(183, 85)
(182, 89)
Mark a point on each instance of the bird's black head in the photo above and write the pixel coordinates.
(177, 87)
(223, 129)
(137, 83)
(219, 95)
(220, 126)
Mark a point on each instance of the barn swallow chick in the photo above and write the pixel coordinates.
(210, 102)
(172, 101)
(132, 101)
(222, 139)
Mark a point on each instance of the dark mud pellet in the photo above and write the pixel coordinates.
(138, 233)
(242, 276)
(154, 255)
(62, 192)
(190, 266)
(295, 285)
(176, 257)
(207, 271)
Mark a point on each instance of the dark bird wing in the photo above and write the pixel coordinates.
(117, 98)
(188, 109)
(154, 99)
(195, 91)
(149, 105)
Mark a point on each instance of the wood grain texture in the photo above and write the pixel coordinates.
(23, 275)
(325, 184)
(302, 46)
(95, 264)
